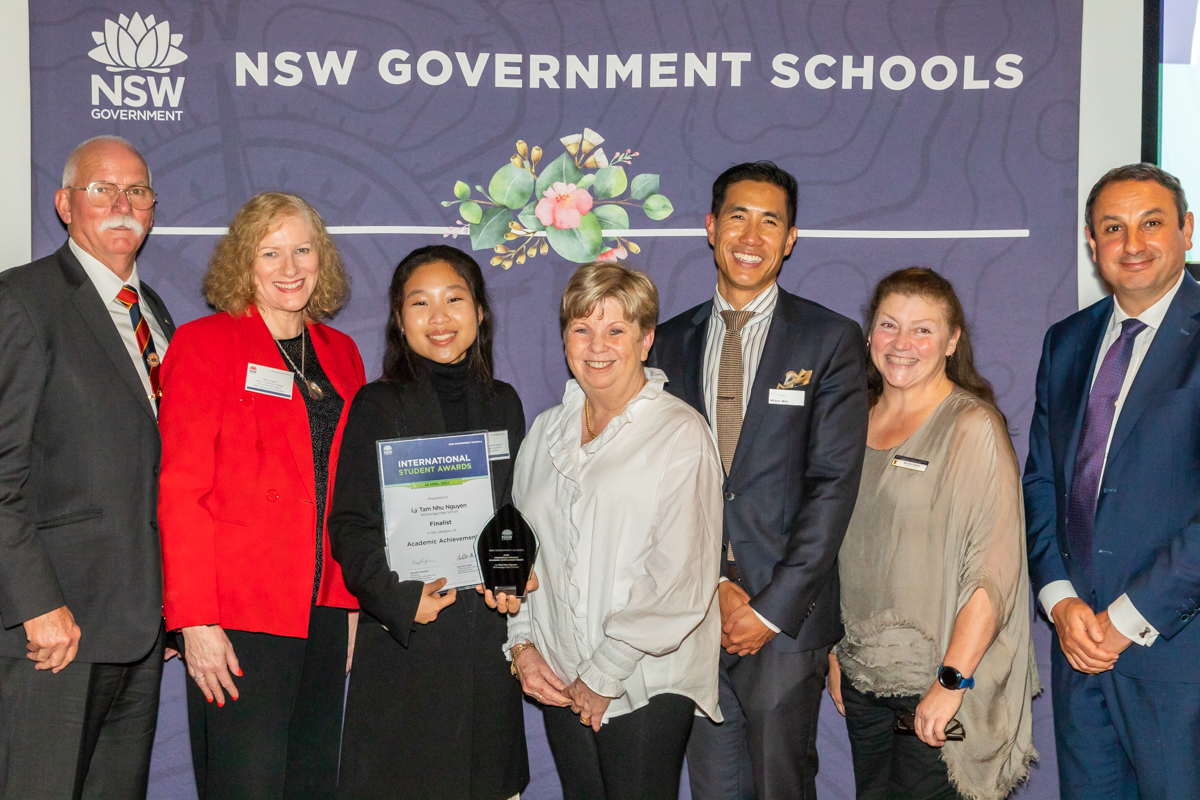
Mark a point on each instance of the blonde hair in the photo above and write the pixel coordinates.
(594, 283)
(229, 282)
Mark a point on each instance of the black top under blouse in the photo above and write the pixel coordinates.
(323, 417)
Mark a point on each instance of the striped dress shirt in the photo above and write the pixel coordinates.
(754, 338)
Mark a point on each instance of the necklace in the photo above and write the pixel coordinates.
(587, 419)
(314, 391)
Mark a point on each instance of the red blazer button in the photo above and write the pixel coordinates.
(272, 495)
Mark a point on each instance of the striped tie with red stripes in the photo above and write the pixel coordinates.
(128, 297)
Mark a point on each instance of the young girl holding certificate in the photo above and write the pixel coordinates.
(432, 709)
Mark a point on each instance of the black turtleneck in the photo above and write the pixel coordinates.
(452, 383)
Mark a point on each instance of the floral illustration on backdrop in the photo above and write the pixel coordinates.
(137, 43)
(566, 207)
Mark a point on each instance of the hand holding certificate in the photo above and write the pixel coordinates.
(437, 497)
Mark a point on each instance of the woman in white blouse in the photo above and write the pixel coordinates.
(622, 485)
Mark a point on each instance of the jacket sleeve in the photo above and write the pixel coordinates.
(829, 487)
(1041, 503)
(355, 522)
(28, 583)
(195, 378)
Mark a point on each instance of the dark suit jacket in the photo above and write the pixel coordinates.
(79, 460)
(450, 675)
(1146, 538)
(794, 478)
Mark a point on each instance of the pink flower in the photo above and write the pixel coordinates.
(563, 205)
(617, 253)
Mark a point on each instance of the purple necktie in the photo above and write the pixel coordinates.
(1093, 441)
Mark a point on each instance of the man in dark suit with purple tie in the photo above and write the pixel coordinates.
(1112, 502)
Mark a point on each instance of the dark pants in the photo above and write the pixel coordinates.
(86, 732)
(767, 746)
(636, 756)
(280, 739)
(888, 765)
(1123, 738)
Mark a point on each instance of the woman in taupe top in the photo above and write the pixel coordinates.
(935, 590)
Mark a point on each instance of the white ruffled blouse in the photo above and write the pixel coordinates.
(629, 527)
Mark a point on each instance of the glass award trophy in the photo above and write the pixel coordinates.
(507, 548)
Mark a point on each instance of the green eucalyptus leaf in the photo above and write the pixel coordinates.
(612, 217)
(581, 244)
(471, 212)
(610, 182)
(462, 191)
(586, 181)
(560, 170)
(490, 230)
(529, 219)
(511, 186)
(657, 206)
(447, 203)
(643, 186)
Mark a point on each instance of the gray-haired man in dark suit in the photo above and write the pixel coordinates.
(81, 648)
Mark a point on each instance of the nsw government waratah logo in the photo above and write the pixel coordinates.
(135, 45)
(144, 44)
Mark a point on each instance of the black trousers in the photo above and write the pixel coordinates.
(280, 739)
(888, 765)
(86, 732)
(636, 756)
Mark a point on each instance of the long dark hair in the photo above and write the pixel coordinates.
(400, 363)
(924, 282)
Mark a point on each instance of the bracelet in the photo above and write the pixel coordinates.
(517, 649)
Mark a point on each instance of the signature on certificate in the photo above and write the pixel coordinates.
(420, 562)
(466, 556)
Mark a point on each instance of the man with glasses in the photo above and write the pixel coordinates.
(81, 645)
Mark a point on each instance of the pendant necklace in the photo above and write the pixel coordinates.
(314, 391)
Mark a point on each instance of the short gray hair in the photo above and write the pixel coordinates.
(72, 165)
(594, 283)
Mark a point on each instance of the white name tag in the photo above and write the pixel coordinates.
(268, 380)
(786, 397)
(497, 445)
(915, 464)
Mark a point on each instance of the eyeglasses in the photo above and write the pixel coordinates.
(103, 194)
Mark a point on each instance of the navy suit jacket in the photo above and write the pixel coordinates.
(794, 478)
(1146, 540)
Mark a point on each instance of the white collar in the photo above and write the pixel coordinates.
(1152, 316)
(757, 306)
(107, 283)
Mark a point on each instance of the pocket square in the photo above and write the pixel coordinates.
(793, 379)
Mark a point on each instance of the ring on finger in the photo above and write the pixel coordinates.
(585, 720)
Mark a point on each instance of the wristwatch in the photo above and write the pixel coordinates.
(517, 649)
(952, 679)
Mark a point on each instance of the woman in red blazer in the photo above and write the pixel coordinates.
(254, 401)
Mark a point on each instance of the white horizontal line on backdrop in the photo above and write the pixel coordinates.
(1010, 233)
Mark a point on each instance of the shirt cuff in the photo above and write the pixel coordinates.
(765, 621)
(1053, 593)
(1129, 623)
(517, 633)
(611, 663)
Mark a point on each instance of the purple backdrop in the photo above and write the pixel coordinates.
(897, 118)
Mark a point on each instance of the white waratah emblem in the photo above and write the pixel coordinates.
(137, 44)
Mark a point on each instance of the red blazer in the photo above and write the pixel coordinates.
(237, 503)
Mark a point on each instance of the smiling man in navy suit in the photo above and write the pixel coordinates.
(1112, 502)
(782, 381)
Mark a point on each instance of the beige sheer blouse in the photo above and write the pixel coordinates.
(918, 546)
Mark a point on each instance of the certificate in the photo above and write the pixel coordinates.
(437, 496)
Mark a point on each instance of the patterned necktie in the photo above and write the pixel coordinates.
(128, 297)
(1093, 442)
(730, 386)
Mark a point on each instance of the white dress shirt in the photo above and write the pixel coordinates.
(754, 338)
(108, 285)
(1122, 613)
(629, 527)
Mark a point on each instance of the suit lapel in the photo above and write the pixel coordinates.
(780, 337)
(694, 340)
(1176, 335)
(292, 415)
(159, 310)
(99, 321)
(1078, 386)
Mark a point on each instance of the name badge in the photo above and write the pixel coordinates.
(786, 397)
(497, 445)
(268, 380)
(915, 464)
